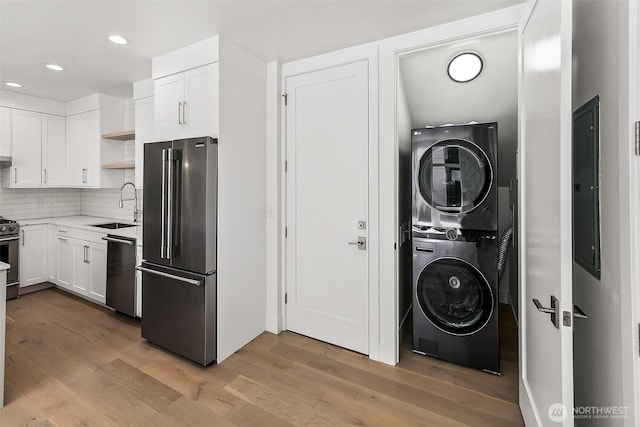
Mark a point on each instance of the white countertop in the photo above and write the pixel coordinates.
(88, 223)
(4, 266)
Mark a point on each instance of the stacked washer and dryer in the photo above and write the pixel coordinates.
(455, 244)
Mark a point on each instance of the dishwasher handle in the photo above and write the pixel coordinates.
(113, 239)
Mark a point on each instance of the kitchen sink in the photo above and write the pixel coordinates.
(113, 225)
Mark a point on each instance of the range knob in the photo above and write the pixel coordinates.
(12, 228)
(3, 229)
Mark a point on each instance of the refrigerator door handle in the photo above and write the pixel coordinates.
(163, 235)
(170, 203)
(170, 276)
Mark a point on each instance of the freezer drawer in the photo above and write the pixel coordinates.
(179, 311)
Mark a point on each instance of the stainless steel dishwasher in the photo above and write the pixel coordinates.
(121, 274)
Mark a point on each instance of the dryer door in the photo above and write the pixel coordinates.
(455, 176)
(454, 296)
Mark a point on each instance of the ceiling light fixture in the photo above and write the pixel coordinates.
(465, 67)
(117, 39)
(54, 67)
(13, 84)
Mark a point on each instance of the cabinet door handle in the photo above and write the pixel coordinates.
(86, 254)
(15, 175)
(22, 232)
(46, 176)
(179, 113)
(184, 112)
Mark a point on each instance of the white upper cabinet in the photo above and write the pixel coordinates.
(5, 131)
(54, 162)
(79, 143)
(144, 134)
(169, 97)
(200, 108)
(55, 144)
(186, 103)
(26, 152)
(87, 120)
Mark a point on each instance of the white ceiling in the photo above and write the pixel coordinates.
(434, 99)
(73, 34)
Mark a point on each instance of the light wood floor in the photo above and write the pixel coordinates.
(71, 363)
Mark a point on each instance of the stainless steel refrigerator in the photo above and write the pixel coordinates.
(179, 247)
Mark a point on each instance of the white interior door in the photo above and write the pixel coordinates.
(546, 351)
(327, 197)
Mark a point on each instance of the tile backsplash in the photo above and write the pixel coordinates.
(17, 203)
(104, 202)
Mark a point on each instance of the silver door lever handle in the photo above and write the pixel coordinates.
(554, 310)
(361, 243)
(578, 313)
(543, 309)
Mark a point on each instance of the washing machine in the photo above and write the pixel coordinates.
(455, 177)
(455, 297)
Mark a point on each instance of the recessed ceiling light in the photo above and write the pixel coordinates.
(117, 39)
(465, 67)
(13, 84)
(54, 67)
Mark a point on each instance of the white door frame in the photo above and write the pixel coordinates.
(630, 172)
(390, 50)
(369, 53)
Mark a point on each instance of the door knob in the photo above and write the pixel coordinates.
(553, 310)
(361, 243)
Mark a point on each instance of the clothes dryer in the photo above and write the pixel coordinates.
(454, 177)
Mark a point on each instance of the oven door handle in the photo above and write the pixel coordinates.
(8, 239)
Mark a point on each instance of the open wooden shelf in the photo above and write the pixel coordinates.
(119, 166)
(127, 135)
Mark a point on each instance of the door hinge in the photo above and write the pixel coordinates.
(285, 232)
(284, 95)
(285, 298)
(637, 142)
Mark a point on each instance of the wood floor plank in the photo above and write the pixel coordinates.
(118, 402)
(453, 407)
(146, 388)
(207, 391)
(286, 407)
(50, 395)
(71, 362)
(246, 414)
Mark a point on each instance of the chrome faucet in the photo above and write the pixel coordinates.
(135, 199)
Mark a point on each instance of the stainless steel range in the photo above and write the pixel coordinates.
(9, 253)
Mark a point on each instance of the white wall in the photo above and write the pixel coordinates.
(241, 200)
(273, 200)
(600, 50)
(405, 277)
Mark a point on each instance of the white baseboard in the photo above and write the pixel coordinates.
(274, 324)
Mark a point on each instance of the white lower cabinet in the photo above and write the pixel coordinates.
(33, 255)
(80, 265)
(64, 262)
(52, 253)
(97, 271)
